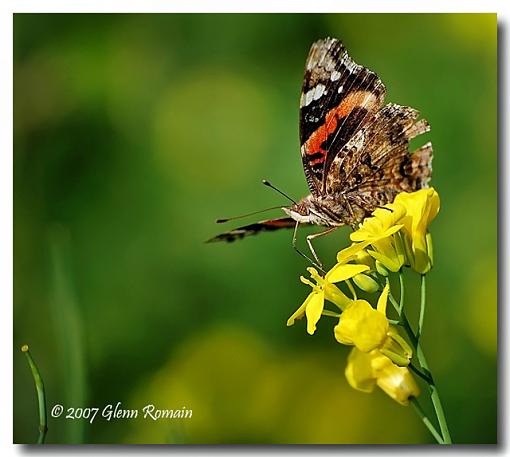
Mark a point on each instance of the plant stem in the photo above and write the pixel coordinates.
(422, 307)
(422, 375)
(41, 397)
(426, 420)
(401, 280)
(327, 312)
(351, 288)
(434, 394)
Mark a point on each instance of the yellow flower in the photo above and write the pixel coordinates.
(343, 271)
(358, 255)
(353, 252)
(383, 223)
(363, 258)
(398, 231)
(366, 370)
(378, 230)
(367, 328)
(389, 252)
(363, 326)
(324, 289)
(421, 208)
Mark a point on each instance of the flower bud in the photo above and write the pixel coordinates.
(381, 269)
(397, 382)
(366, 283)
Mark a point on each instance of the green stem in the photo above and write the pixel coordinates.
(434, 394)
(422, 375)
(422, 307)
(401, 279)
(351, 288)
(327, 312)
(41, 397)
(426, 420)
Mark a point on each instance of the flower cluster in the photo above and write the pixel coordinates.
(393, 237)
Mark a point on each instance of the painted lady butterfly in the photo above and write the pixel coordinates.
(353, 147)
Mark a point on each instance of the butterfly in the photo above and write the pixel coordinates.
(354, 148)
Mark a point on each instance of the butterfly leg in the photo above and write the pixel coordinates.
(352, 222)
(317, 264)
(309, 239)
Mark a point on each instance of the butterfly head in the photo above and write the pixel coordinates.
(300, 211)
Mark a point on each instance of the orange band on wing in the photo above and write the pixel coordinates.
(353, 100)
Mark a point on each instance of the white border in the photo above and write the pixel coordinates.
(8, 7)
(251, 6)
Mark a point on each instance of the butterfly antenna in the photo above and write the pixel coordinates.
(227, 219)
(268, 184)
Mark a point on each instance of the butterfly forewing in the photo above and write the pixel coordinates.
(338, 97)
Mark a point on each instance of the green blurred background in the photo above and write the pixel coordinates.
(133, 133)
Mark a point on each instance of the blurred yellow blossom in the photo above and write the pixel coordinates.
(365, 370)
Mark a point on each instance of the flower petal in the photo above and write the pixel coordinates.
(333, 294)
(397, 382)
(300, 312)
(383, 300)
(341, 272)
(349, 253)
(392, 263)
(421, 208)
(359, 372)
(362, 326)
(313, 311)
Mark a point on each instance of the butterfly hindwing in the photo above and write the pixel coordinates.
(269, 225)
(375, 165)
(338, 97)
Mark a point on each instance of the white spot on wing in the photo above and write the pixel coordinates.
(335, 76)
(313, 94)
(340, 89)
(309, 96)
(329, 65)
(319, 91)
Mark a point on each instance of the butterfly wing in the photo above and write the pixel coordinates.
(338, 97)
(269, 225)
(375, 164)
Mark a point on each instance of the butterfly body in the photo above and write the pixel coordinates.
(354, 148)
(328, 211)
